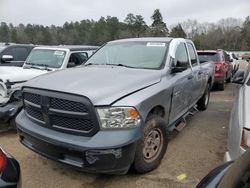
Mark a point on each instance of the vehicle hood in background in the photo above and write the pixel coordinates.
(101, 84)
(16, 74)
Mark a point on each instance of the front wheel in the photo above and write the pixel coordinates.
(151, 148)
(204, 100)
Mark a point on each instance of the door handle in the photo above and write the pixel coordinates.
(190, 77)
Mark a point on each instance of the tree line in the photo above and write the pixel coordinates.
(229, 33)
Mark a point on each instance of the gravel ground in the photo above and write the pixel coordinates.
(197, 149)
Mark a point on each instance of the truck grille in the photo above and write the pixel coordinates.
(63, 112)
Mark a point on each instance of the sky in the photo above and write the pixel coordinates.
(57, 12)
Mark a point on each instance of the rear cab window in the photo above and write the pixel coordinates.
(193, 56)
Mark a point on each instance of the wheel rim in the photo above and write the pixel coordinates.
(153, 144)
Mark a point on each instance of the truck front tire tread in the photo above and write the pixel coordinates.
(140, 165)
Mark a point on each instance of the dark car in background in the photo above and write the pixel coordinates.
(223, 66)
(9, 171)
(14, 54)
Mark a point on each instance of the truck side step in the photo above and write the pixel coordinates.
(181, 123)
(180, 126)
(193, 111)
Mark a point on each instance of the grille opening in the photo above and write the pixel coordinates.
(34, 113)
(66, 105)
(31, 97)
(77, 124)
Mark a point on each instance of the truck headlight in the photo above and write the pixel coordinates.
(245, 138)
(118, 117)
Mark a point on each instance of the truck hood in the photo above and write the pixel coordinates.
(103, 85)
(17, 74)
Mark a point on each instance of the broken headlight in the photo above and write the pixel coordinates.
(118, 117)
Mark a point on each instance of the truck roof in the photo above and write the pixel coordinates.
(148, 39)
(70, 47)
(145, 39)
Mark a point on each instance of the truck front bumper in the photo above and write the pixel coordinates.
(108, 151)
(10, 110)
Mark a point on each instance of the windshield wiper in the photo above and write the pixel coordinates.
(120, 65)
(45, 67)
(36, 66)
(111, 64)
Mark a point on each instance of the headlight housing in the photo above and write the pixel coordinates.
(118, 117)
(245, 138)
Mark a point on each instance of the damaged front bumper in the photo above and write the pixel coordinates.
(107, 152)
(10, 110)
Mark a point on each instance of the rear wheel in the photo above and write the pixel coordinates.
(152, 147)
(229, 80)
(204, 100)
(222, 85)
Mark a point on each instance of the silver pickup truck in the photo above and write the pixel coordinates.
(117, 110)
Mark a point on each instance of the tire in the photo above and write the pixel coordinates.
(12, 123)
(203, 102)
(229, 80)
(222, 86)
(147, 159)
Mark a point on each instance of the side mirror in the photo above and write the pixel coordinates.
(71, 64)
(179, 67)
(7, 58)
(239, 77)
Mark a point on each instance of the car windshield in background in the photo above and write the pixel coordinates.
(147, 55)
(205, 57)
(48, 58)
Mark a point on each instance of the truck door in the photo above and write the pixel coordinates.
(182, 89)
(198, 74)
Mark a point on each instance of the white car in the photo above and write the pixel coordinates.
(234, 60)
(239, 127)
(40, 61)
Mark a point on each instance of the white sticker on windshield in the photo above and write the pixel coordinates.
(59, 53)
(156, 44)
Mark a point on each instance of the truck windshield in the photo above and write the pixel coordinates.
(147, 55)
(46, 57)
(210, 56)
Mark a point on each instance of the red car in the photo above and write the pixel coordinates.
(223, 66)
(9, 171)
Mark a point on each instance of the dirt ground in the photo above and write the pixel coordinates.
(197, 149)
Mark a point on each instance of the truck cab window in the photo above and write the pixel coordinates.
(193, 56)
(20, 53)
(77, 59)
(181, 56)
